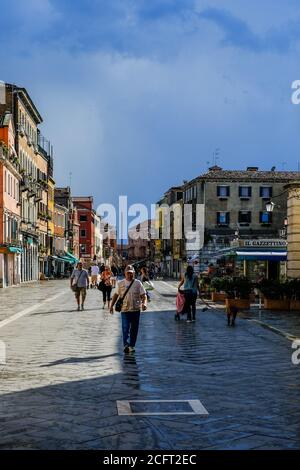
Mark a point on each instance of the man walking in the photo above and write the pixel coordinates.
(79, 284)
(134, 298)
(94, 275)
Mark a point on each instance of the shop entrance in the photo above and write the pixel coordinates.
(273, 270)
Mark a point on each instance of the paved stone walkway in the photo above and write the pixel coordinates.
(65, 371)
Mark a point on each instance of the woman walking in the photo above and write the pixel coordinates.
(106, 280)
(145, 280)
(191, 286)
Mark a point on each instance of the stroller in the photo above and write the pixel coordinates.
(180, 305)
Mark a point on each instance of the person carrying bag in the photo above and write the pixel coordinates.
(119, 303)
(130, 300)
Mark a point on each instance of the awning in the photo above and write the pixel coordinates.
(15, 249)
(262, 255)
(65, 259)
(10, 249)
(72, 258)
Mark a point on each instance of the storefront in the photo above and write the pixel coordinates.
(10, 266)
(29, 259)
(259, 259)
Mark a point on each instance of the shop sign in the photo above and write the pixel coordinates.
(267, 243)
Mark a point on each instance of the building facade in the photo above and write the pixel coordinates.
(235, 214)
(169, 248)
(140, 243)
(84, 206)
(61, 262)
(10, 177)
(63, 197)
(98, 237)
(26, 119)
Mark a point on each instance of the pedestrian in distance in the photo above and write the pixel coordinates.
(129, 299)
(106, 286)
(232, 312)
(145, 280)
(102, 268)
(191, 287)
(115, 273)
(79, 284)
(94, 275)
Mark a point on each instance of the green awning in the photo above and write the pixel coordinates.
(71, 257)
(15, 249)
(64, 258)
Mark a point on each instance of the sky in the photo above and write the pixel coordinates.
(136, 95)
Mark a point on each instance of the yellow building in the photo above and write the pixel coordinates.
(51, 186)
(293, 230)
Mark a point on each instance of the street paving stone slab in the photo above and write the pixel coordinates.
(65, 372)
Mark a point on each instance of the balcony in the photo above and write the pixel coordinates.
(39, 195)
(25, 184)
(32, 190)
(21, 130)
(9, 155)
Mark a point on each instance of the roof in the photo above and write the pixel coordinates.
(22, 92)
(219, 174)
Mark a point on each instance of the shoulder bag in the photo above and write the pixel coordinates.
(74, 286)
(119, 303)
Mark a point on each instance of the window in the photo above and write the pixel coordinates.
(266, 192)
(245, 192)
(82, 248)
(83, 218)
(265, 217)
(83, 233)
(223, 218)
(223, 191)
(245, 217)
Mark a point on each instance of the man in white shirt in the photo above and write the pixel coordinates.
(79, 283)
(134, 301)
(94, 275)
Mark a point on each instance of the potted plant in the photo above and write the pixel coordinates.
(217, 288)
(276, 296)
(238, 290)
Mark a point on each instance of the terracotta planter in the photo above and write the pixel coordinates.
(218, 297)
(295, 305)
(241, 304)
(270, 304)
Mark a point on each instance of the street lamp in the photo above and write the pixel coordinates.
(270, 206)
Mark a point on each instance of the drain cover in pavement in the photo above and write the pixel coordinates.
(161, 407)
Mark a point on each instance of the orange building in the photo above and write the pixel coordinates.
(10, 177)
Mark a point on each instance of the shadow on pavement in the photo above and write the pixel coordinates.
(76, 360)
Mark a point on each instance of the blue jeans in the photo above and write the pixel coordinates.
(130, 327)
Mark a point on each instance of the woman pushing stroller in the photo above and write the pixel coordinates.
(191, 287)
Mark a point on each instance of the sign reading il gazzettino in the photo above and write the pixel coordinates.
(266, 243)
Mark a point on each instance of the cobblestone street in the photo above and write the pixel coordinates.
(65, 371)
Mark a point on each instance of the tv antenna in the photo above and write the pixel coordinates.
(216, 157)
